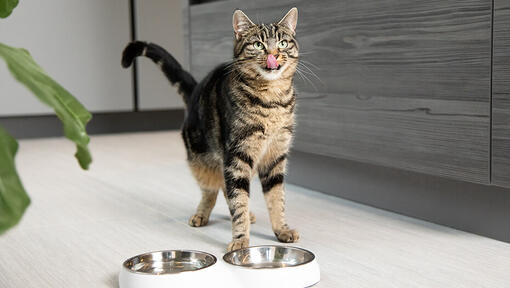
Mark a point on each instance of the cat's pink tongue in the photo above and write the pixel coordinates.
(271, 62)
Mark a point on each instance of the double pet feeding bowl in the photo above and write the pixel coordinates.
(258, 266)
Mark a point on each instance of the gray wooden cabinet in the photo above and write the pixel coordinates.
(501, 95)
(406, 85)
(403, 83)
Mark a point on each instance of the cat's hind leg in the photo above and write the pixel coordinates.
(204, 209)
(210, 180)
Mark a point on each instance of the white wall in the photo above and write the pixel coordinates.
(160, 22)
(79, 43)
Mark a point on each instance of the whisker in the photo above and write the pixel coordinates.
(310, 63)
(307, 52)
(305, 78)
(310, 72)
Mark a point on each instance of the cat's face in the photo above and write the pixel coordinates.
(267, 51)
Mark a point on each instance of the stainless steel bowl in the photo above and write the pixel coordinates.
(258, 257)
(169, 262)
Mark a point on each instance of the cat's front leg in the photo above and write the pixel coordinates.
(274, 194)
(272, 173)
(237, 185)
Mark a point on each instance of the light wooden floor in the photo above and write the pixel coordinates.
(138, 196)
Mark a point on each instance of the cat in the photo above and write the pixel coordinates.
(239, 121)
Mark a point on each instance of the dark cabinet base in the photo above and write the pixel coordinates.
(470, 207)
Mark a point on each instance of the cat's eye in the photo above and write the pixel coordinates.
(283, 44)
(258, 45)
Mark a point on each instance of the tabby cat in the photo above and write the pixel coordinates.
(239, 121)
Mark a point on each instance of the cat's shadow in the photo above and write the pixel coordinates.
(224, 217)
(264, 236)
(223, 222)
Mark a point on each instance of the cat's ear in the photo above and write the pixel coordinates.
(241, 23)
(290, 20)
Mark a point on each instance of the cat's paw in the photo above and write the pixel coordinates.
(198, 220)
(253, 219)
(288, 236)
(238, 244)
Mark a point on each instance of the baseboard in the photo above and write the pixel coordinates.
(112, 122)
(476, 208)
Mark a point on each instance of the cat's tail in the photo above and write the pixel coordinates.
(170, 67)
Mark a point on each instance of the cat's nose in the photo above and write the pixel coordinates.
(273, 51)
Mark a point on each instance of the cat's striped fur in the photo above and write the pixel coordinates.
(239, 121)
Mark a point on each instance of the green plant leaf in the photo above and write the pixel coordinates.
(73, 115)
(13, 198)
(6, 7)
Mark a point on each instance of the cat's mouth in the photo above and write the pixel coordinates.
(267, 69)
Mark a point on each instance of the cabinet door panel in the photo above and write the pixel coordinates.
(403, 83)
(501, 95)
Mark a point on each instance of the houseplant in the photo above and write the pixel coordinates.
(13, 197)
